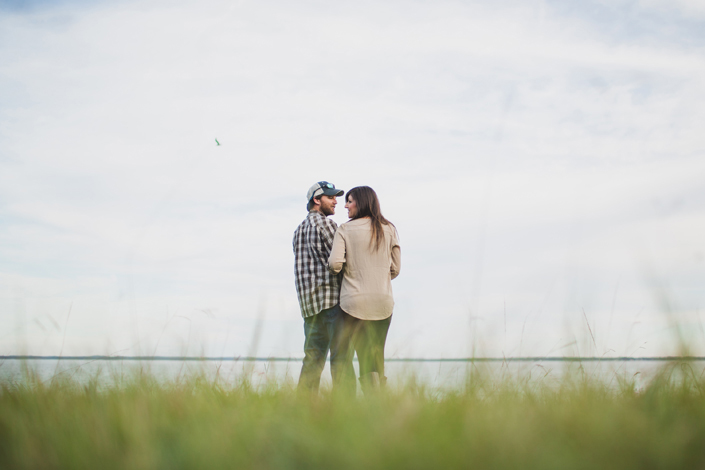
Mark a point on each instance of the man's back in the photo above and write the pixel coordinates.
(316, 287)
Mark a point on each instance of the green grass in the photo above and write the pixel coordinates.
(574, 422)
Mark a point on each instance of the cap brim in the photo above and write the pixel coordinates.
(333, 192)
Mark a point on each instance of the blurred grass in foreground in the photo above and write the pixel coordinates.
(578, 421)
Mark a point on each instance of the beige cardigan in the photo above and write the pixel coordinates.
(366, 292)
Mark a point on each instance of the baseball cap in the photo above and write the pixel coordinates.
(321, 188)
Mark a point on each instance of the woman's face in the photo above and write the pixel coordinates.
(351, 206)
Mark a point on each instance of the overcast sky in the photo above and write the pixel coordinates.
(544, 163)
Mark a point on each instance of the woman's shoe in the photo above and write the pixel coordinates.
(370, 383)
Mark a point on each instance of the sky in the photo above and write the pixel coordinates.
(543, 162)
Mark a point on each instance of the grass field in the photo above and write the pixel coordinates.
(575, 422)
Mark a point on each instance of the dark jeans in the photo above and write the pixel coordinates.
(323, 332)
(367, 338)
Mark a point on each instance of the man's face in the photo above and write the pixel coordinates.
(328, 205)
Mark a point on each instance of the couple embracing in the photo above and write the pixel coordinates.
(343, 281)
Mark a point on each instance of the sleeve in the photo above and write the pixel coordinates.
(323, 241)
(337, 254)
(396, 256)
(327, 232)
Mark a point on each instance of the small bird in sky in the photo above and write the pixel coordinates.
(216, 141)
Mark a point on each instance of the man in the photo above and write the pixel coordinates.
(319, 292)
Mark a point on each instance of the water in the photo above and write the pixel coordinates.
(441, 375)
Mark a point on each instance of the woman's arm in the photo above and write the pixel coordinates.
(337, 253)
(396, 261)
(396, 257)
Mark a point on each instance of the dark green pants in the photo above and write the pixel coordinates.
(323, 332)
(366, 338)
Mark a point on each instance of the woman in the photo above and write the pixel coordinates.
(367, 252)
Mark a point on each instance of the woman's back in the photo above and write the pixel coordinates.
(366, 291)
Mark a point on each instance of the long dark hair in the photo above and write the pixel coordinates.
(368, 206)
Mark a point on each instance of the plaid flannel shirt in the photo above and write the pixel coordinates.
(317, 288)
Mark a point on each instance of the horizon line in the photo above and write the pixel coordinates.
(391, 359)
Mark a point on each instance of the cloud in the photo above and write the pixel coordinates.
(530, 154)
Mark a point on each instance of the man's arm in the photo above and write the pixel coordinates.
(327, 232)
(321, 240)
